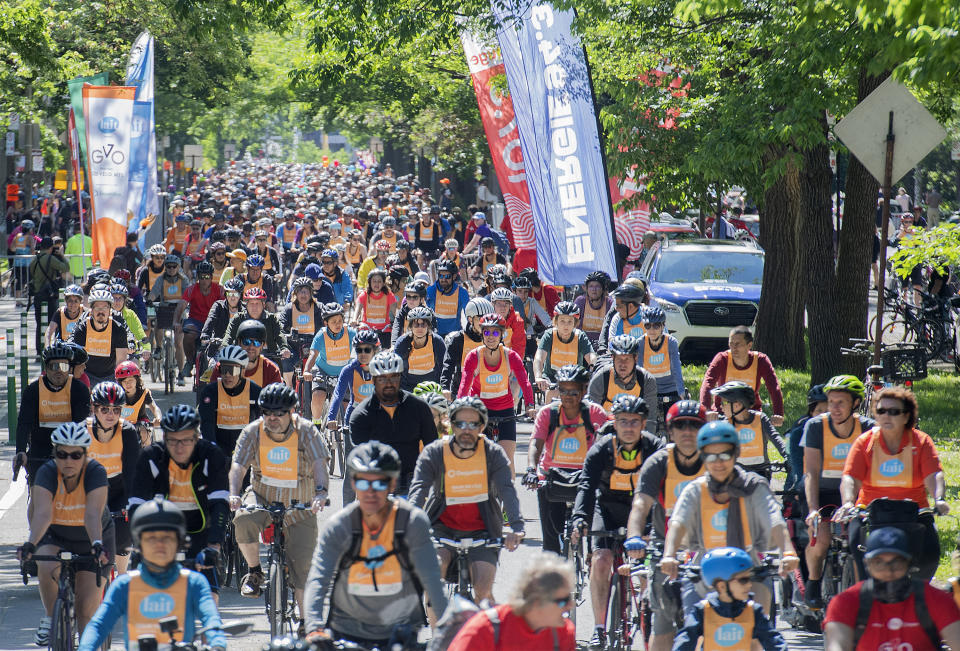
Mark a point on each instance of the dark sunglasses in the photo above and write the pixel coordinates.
(444, 275)
(76, 456)
(492, 333)
(58, 366)
(378, 485)
(687, 425)
(743, 580)
(229, 370)
(171, 266)
(110, 410)
(205, 277)
(256, 343)
(893, 411)
(720, 456)
(364, 350)
(472, 425)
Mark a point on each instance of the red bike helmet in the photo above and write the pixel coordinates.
(127, 369)
(255, 293)
(493, 319)
(122, 274)
(687, 410)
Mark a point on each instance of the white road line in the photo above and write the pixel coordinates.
(13, 494)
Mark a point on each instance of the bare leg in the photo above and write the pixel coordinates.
(600, 584)
(482, 574)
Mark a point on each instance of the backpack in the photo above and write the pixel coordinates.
(459, 612)
(920, 605)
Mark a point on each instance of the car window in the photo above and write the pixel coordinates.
(715, 266)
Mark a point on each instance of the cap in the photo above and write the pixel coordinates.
(313, 271)
(887, 540)
(238, 253)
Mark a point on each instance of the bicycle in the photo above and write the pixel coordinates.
(164, 358)
(901, 364)
(63, 629)
(279, 600)
(459, 568)
(838, 568)
(623, 603)
(301, 343)
(171, 626)
(234, 564)
(575, 553)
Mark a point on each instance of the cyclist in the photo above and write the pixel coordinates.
(432, 394)
(373, 560)
(194, 245)
(251, 335)
(629, 301)
(377, 260)
(229, 404)
(465, 485)
(393, 416)
(450, 253)
(753, 427)
(515, 336)
(421, 349)
(159, 529)
(53, 398)
(896, 461)
(168, 289)
(102, 336)
(594, 304)
(255, 308)
(891, 609)
(69, 496)
(218, 319)
(562, 433)
(355, 252)
(138, 341)
(728, 618)
(329, 353)
(340, 281)
(298, 472)
(827, 441)
(152, 268)
(177, 234)
(726, 507)
(255, 278)
(535, 317)
(322, 289)
(237, 264)
(192, 473)
(354, 384)
(660, 354)
(560, 345)
(622, 375)
(609, 478)
(447, 297)
(78, 363)
(218, 258)
(404, 259)
(662, 478)
(199, 298)
(816, 405)
(414, 295)
(139, 407)
(299, 321)
(740, 362)
(376, 306)
(264, 244)
(536, 617)
(489, 372)
(64, 321)
(633, 291)
(427, 235)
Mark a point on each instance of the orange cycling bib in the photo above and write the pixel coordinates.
(465, 480)
(337, 350)
(569, 449)
(362, 388)
(130, 412)
(835, 449)
(369, 576)
(278, 460)
(752, 444)
(891, 470)
(748, 375)
(68, 325)
(99, 342)
(54, 406)
(625, 471)
(172, 291)
(563, 353)
(656, 362)
(69, 506)
(713, 521)
(181, 487)
(725, 634)
(493, 382)
(233, 412)
(674, 482)
(446, 305)
(109, 453)
(613, 390)
(147, 605)
(593, 318)
(302, 322)
(376, 310)
(421, 360)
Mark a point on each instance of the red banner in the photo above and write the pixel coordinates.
(74, 145)
(496, 112)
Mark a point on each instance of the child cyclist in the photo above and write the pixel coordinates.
(139, 407)
(728, 619)
(432, 394)
(159, 529)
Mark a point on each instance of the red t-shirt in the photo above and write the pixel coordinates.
(271, 372)
(893, 626)
(860, 462)
(199, 304)
(477, 634)
(462, 517)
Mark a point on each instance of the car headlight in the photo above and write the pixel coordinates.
(668, 306)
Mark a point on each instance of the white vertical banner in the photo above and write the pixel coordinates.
(143, 199)
(108, 112)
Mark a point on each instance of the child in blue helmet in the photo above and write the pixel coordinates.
(727, 619)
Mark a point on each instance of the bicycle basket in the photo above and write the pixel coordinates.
(561, 484)
(904, 362)
(165, 314)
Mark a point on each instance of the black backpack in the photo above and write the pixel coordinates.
(920, 605)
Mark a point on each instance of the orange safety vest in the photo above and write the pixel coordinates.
(426, 232)
(353, 258)
(375, 313)
(384, 578)
(233, 412)
(129, 412)
(891, 470)
(674, 482)
(99, 342)
(836, 449)
(593, 318)
(421, 361)
(147, 605)
(748, 375)
(468, 346)
(656, 362)
(465, 480)
(152, 277)
(613, 390)
(302, 322)
(278, 460)
(108, 454)
(563, 353)
(54, 406)
(625, 471)
(362, 388)
(69, 506)
(713, 521)
(724, 634)
(447, 305)
(257, 375)
(753, 446)
(171, 291)
(494, 382)
(181, 486)
(569, 448)
(337, 350)
(68, 325)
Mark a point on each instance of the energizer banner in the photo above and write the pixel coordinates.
(552, 97)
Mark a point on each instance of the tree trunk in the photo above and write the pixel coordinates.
(780, 318)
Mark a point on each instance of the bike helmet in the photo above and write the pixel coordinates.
(398, 271)
(58, 350)
(302, 282)
(205, 268)
(73, 290)
(573, 373)
(522, 282)
(493, 319)
(568, 308)
(366, 336)
(386, 362)
(448, 266)
(172, 258)
(158, 515)
(630, 293)
(100, 296)
(233, 355)
(723, 563)
(501, 294)
(736, 391)
(255, 293)
(654, 314)
(686, 410)
(156, 250)
(179, 418)
(816, 394)
(382, 245)
(255, 260)
(623, 345)
(421, 312)
(468, 402)
(629, 404)
(277, 396)
(402, 244)
(122, 274)
(477, 307)
(597, 277)
(426, 387)
(330, 253)
(375, 458)
(73, 434)
(126, 369)
(234, 285)
(328, 310)
(79, 353)
(718, 431)
(108, 393)
(417, 287)
(119, 289)
(502, 280)
(849, 383)
(436, 402)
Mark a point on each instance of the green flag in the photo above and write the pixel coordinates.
(76, 101)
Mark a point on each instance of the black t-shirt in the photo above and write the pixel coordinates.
(94, 477)
(653, 475)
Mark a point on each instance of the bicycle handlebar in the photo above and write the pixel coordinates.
(64, 558)
(469, 543)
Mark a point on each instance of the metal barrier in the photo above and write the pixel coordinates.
(11, 388)
(6, 276)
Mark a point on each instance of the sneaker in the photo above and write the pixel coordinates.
(813, 597)
(181, 381)
(187, 369)
(42, 636)
(599, 639)
(252, 585)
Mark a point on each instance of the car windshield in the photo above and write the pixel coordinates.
(713, 267)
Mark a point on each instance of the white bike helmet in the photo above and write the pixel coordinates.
(386, 363)
(73, 434)
(501, 294)
(233, 355)
(157, 249)
(98, 295)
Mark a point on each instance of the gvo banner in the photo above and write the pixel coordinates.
(552, 97)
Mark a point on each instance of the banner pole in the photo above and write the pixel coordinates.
(11, 388)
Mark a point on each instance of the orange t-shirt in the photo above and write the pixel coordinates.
(860, 462)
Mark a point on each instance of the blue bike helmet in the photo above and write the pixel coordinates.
(718, 431)
(723, 563)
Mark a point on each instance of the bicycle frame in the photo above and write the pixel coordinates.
(63, 620)
(461, 556)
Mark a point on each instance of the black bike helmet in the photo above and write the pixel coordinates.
(80, 355)
(598, 277)
(630, 293)
(58, 350)
(375, 458)
(234, 285)
(158, 515)
(568, 308)
(277, 396)
(629, 404)
(252, 329)
(448, 266)
(366, 336)
(328, 310)
(815, 395)
(204, 268)
(179, 418)
(573, 373)
(418, 287)
(108, 393)
(736, 391)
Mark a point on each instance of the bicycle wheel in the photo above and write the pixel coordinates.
(61, 628)
(331, 440)
(615, 607)
(931, 335)
(273, 599)
(170, 372)
(897, 332)
(848, 575)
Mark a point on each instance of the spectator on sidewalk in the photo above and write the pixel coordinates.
(46, 278)
(74, 245)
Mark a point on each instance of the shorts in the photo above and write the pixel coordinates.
(484, 554)
(82, 547)
(609, 516)
(192, 324)
(506, 428)
(829, 502)
(324, 383)
(197, 543)
(121, 534)
(665, 604)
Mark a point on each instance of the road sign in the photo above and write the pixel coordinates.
(36, 160)
(195, 151)
(864, 130)
(12, 192)
(229, 151)
(955, 151)
(11, 147)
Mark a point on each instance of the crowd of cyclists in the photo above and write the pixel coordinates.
(337, 321)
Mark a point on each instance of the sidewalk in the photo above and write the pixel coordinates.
(10, 316)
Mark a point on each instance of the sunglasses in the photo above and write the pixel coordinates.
(720, 456)
(256, 343)
(378, 485)
(691, 425)
(58, 366)
(743, 580)
(229, 371)
(563, 601)
(110, 410)
(76, 456)
(472, 425)
(492, 333)
(570, 393)
(893, 411)
(171, 266)
(444, 276)
(364, 350)
(205, 277)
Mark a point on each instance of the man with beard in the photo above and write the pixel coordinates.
(103, 337)
(447, 297)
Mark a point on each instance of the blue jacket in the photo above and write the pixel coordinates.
(200, 605)
(342, 288)
(689, 636)
(446, 326)
(344, 389)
